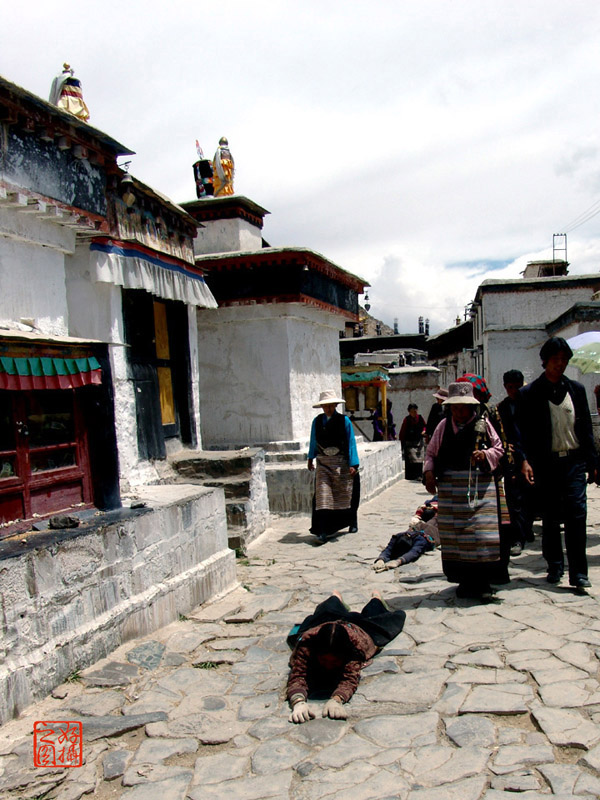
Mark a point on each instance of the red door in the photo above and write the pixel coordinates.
(44, 465)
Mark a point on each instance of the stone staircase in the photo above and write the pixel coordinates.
(241, 475)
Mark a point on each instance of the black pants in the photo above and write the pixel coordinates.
(519, 501)
(562, 492)
(375, 619)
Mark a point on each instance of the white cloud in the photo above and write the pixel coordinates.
(395, 138)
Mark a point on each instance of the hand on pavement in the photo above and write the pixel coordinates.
(334, 709)
(301, 712)
(379, 565)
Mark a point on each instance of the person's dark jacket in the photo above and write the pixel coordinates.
(534, 425)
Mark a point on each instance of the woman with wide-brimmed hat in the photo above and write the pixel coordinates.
(337, 485)
(461, 457)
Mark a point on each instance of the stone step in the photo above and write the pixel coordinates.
(234, 488)
(284, 456)
(213, 464)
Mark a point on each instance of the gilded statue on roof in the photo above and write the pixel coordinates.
(223, 169)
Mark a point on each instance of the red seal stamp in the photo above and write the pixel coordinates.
(57, 744)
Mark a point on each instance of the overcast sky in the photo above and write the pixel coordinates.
(425, 146)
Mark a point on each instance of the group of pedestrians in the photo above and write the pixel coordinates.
(540, 440)
(493, 469)
(482, 465)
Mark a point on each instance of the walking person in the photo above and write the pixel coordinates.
(437, 412)
(519, 495)
(337, 484)
(461, 457)
(557, 450)
(413, 446)
(383, 432)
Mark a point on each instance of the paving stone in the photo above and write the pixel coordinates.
(588, 785)
(553, 621)
(112, 674)
(195, 684)
(533, 640)
(174, 788)
(508, 735)
(319, 731)
(147, 654)
(592, 758)
(566, 728)
(258, 707)
(436, 765)
(511, 757)
(520, 781)
(562, 675)
(471, 730)
(488, 621)
(486, 657)
(579, 655)
(229, 604)
(220, 657)
(452, 699)
(561, 777)
(412, 691)
(351, 748)
(380, 665)
(115, 763)
(151, 751)
(220, 767)
(97, 703)
(239, 643)
(567, 695)
(505, 699)
(186, 641)
(413, 730)
(153, 773)
(269, 727)
(273, 756)
(208, 729)
(469, 789)
(483, 675)
(250, 788)
(99, 727)
(151, 701)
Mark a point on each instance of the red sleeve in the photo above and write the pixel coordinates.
(349, 680)
(402, 430)
(297, 677)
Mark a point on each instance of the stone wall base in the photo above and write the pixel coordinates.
(74, 596)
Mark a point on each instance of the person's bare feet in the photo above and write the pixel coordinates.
(377, 594)
(337, 594)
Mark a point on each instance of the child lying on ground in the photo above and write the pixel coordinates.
(330, 648)
(405, 547)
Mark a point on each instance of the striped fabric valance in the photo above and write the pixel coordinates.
(133, 266)
(48, 372)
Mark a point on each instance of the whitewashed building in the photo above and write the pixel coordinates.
(513, 318)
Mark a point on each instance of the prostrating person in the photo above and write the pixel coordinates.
(330, 647)
(461, 457)
(420, 537)
(559, 456)
(337, 484)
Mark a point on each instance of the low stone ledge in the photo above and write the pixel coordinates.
(71, 601)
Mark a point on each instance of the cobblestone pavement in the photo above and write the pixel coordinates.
(470, 701)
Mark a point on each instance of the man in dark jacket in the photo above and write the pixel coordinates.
(557, 449)
(519, 497)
